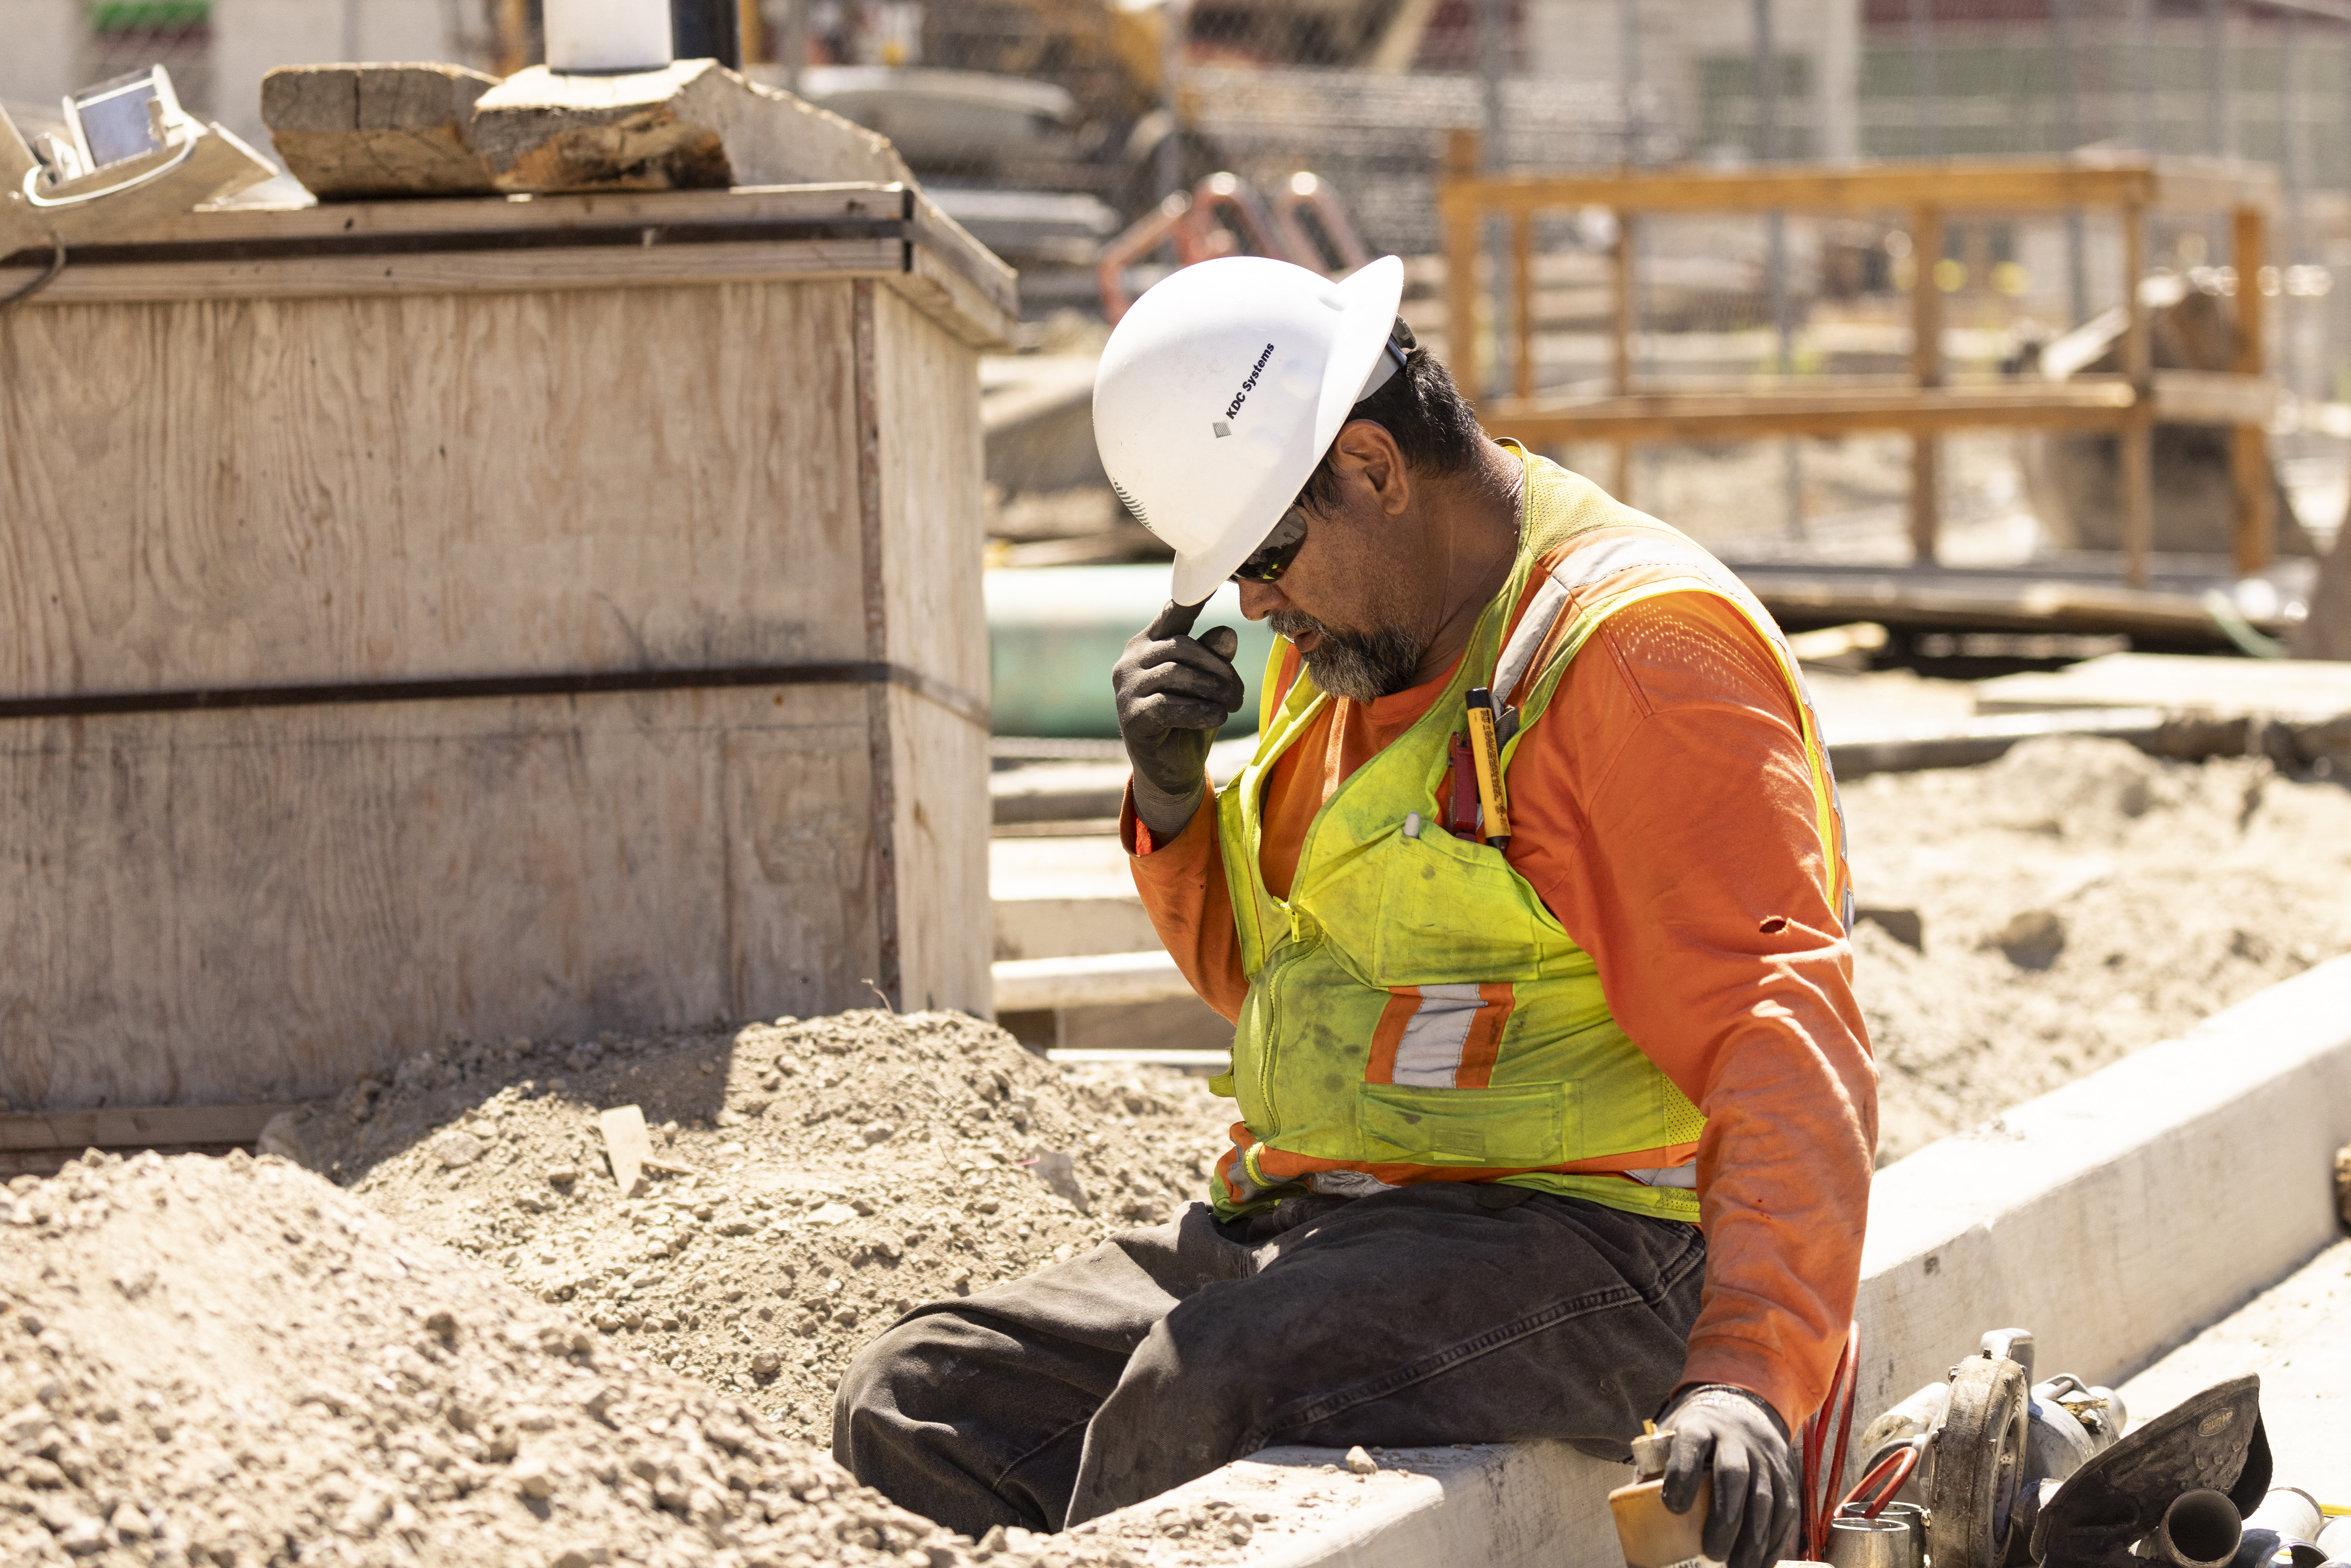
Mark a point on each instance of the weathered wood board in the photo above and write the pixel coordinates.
(383, 666)
(349, 132)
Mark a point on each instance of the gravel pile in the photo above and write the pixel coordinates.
(2074, 901)
(231, 1363)
(835, 1172)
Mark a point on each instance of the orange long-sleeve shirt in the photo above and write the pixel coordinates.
(1663, 809)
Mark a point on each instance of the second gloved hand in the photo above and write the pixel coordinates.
(1732, 1436)
(1173, 693)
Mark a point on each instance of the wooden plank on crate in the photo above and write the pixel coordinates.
(147, 1128)
(470, 272)
(2086, 403)
(561, 242)
(361, 130)
(2025, 185)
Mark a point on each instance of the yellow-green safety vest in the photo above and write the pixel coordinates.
(1415, 1011)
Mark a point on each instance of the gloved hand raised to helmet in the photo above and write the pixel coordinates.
(1173, 693)
(1736, 1439)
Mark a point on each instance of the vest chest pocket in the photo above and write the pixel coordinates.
(1451, 911)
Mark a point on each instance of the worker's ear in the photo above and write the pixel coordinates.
(1366, 455)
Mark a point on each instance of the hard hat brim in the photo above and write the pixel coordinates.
(1372, 294)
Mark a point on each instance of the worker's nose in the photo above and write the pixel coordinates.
(1259, 599)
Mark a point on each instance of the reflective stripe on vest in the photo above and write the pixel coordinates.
(1415, 1011)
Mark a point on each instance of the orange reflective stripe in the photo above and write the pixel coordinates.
(1389, 1034)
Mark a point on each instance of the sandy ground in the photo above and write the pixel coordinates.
(231, 1363)
(2078, 899)
(848, 1168)
(485, 1351)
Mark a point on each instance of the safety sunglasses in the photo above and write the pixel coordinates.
(1271, 558)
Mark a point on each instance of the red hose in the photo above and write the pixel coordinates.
(1820, 1486)
(1902, 1461)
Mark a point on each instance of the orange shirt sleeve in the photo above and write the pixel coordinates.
(1191, 906)
(1663, 809)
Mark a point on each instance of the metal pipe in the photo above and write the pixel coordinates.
(2289, 1511)
(1911, 1516)
(2200, 1530)
(1869, 1543)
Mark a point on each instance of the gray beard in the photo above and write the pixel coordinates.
(1362, 667)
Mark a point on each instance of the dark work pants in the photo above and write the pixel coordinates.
(1442, 1312)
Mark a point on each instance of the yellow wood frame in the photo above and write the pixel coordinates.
(1924, 406)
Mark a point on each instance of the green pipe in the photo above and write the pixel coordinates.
(1053, 633)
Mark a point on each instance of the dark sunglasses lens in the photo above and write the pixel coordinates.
(1271, 558)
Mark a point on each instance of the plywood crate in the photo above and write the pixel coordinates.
(486, 617)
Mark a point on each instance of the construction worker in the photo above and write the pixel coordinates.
(1556, 1111)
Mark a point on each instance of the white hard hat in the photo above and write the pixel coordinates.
(1221, 389)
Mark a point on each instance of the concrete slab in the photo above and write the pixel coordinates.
(2115, 1217)
(1499, 1505)
(2077, 1215)
(2297, 1335)
(1065, 897)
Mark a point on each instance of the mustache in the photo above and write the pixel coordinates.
(1294, 623)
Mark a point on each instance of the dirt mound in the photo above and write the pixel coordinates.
(2078, 899)
(231, 1363)
(845, 1170)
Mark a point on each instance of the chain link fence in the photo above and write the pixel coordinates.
(1049, 126)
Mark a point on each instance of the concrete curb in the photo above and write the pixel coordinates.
(2113, 1217)
(1099, 979)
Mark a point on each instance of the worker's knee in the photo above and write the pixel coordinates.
(1198, 1360)
(899, 1379)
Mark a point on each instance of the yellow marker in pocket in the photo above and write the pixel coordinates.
(1486, 749)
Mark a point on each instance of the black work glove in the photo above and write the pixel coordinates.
(1173, 693)
(1735, 1438)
